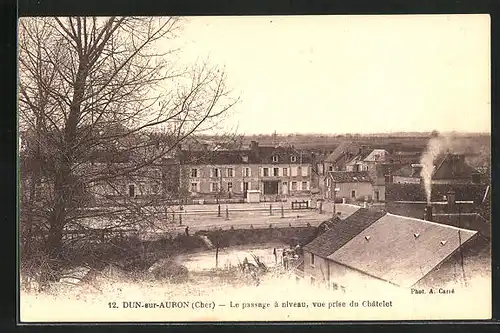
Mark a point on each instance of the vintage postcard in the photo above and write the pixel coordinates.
(260, 168)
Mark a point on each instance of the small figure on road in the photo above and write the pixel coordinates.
(187, 231)
(275, 256)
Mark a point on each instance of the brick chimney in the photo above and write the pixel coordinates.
(428, 213)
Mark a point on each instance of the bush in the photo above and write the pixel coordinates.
(169, 270)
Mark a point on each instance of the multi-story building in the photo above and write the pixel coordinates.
(274, 171)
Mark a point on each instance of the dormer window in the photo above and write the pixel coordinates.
(293, 158)
(245, 158)
(275, 158)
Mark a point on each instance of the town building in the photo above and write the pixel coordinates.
(448, 169)
(342, 154)
(349, 186)
(408, 174)
(375, 249)
(364, 186)
(277, 172)
(365, 159)
(461, 205)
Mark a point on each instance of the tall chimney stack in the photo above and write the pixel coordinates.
(428, 213)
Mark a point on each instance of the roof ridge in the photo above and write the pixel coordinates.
(430, 222)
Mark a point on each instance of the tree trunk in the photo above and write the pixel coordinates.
(63, 185)
(217, 256)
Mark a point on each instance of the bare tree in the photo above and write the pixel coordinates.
(102, 104)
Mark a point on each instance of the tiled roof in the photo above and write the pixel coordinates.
(416, 192)
(259, 155)
(350, 176)
(449, 166)
(218, 157)
(377, 155)
(407, 171)
(471, 221)
(401, 250)
(358, 158)
(283, 154)
(341, 149)
(342, 232)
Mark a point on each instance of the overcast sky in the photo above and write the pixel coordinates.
(357, 74)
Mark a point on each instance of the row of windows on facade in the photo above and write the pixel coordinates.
(247, 172)
(216, 187)
(132, 190)
(293, 159)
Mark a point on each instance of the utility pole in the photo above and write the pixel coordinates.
(460, 246)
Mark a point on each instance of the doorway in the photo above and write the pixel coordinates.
(284, 188)
(245, 189)
(271, 187)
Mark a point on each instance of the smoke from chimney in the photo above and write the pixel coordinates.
(427, 161)
(435, 147)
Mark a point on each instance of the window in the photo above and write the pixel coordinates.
(194, 187)
(194, 173)
(285, 172)
(230, 187)
(245, 158)
(304, 186)
(215, 187)
(215, 173)
(275, 158)
(276, 172)
(294, 186)
(293, 171)
(312, 259)
(131, 190)
(266, 172)
(293, 159)
(230, 172)
(353, 194)
(304, 171)
(330, 168)
(246, 172)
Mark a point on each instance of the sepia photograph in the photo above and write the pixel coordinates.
(254, 168)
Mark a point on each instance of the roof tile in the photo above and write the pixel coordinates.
(342, 232)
